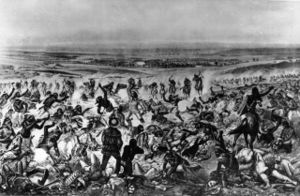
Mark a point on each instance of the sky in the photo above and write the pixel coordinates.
(99, 22)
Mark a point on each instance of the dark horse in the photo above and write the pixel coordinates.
(249, 126)
(172, 86)
(186, 89)
(199, 83)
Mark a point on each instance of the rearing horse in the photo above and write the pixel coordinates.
(199, 83)
(186, 89)
(172, 86)
(249, 126)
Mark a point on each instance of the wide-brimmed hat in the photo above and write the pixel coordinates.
(113, 121)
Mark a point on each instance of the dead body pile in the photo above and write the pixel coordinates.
(86, 137)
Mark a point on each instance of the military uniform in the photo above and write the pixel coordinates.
(112, 143)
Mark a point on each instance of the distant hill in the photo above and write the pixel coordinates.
(264, 67)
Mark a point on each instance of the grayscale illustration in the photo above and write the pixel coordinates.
(150, 97)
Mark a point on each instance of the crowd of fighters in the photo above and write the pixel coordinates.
(50, 143)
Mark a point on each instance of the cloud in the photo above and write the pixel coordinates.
(133, 21)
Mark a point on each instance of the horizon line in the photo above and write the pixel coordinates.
(153, 45)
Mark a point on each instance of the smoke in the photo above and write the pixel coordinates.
(209, 77)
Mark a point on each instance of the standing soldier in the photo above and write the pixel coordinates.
(112, 143)
(128, 155)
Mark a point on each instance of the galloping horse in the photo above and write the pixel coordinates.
(172, 86)
(199, 83)
(153, 87)
(186, 89)
(162, 89)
